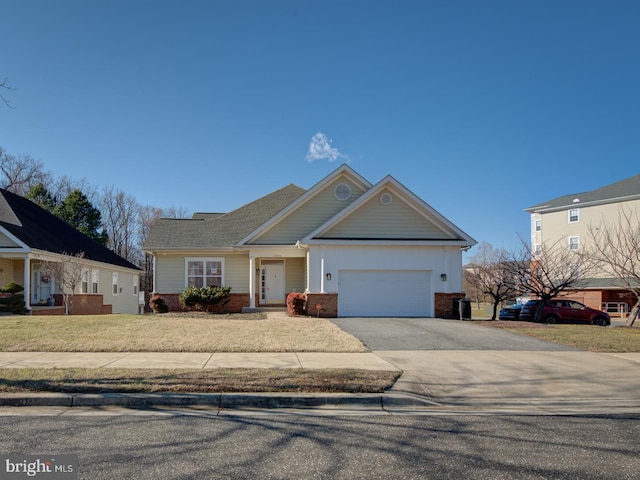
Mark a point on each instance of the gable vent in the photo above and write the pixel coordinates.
(386, 199)
(342, 191)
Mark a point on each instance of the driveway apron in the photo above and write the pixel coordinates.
(458, 363)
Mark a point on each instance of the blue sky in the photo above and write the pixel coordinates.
(481, 108)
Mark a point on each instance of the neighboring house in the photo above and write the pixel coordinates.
(568, 218)
(31, 236)
(355, 248)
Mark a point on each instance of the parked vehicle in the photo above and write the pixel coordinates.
(512, 312)
(557, 310)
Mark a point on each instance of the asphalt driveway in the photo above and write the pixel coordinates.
(457, 364)
(437, 334)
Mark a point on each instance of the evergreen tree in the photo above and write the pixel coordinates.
(77, 210)
(41, 196)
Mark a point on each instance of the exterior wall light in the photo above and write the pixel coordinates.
(328, 276)
(443, 277)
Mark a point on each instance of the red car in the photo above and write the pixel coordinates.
(565, 310)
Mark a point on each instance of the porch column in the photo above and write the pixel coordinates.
(252, 282)
(27, 282)
(322, 274)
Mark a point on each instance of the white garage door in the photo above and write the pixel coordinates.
(384, 293)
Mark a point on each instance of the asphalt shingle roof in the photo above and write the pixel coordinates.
(41, 230)
(210, 231)
(618, 191)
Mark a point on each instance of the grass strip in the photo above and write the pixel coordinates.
(242, 380)
(590, 338)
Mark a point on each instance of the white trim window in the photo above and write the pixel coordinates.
(84, 283)
(574, 244)
(204, 272)
(538, 225)
(114, 283)
(95, 274)
(574, 215)
(136, 281)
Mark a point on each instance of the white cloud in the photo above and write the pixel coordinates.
(320, 149)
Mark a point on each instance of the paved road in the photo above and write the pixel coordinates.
(436, 334)
(274, 446)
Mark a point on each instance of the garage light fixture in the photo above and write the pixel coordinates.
(443, 277)
(328, 276)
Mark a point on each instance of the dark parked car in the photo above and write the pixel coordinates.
(512, 312)
(565, 310)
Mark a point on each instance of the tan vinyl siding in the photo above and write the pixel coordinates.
(237, 273)
(6, 242)
(394, 221)
(170, 272)
(309, 216)
(295, 275)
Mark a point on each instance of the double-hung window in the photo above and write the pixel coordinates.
(84, 284)
(94, 280)
(204, 272)
(114, 283)
(574, 215)
(574, 243)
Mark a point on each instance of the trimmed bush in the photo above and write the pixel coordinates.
(296, 304)
(158, 304)
(12, 287)
(14, 304)
(205, 299)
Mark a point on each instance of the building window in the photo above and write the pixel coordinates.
(204, 272)
(537, 249)
(84, 283)
(574, 243)
(114, 283)
(574, 215)
(94, 281)
(538, 225)
(135, 284)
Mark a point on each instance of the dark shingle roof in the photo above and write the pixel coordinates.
(207, 231)
(42, 230)
(619, 191)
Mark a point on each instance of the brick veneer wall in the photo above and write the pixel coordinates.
(236, 302)
(327, 301)
(83, 304)
(444, 307)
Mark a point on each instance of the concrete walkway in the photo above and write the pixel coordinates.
(314, 360)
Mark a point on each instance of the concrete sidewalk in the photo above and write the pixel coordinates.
(314, 360)
(433, 381)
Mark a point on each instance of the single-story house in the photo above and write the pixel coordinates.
(355, 249)
(32, 239)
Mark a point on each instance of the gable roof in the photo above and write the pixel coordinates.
(624, 190)
(432, 226)
(211, 231)
(342, 171)
(36, 228)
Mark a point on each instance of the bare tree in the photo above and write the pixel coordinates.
(120, 220)
(491, 277)
(67, 272)
(550, 271)
(21, 172)
(614, 248)
(176, 212)
(5, 85)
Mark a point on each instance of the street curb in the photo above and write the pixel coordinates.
(216, 400)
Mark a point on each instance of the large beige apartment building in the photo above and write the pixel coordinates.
(568, 219)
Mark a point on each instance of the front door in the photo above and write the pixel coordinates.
(41, 286)
(273, 283)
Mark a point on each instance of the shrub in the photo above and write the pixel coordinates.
(14, 304)
(205, 299)
(12, 287)
(158, 304)
(296, 303)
